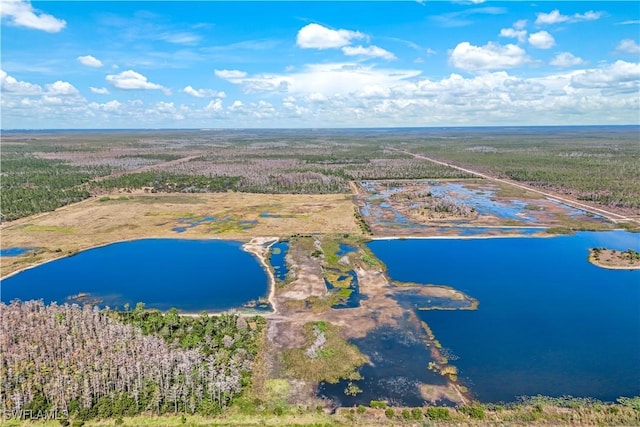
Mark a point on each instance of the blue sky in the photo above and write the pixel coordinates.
(158, 64)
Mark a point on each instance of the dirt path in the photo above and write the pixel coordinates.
(612, 216)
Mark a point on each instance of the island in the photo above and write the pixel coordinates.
(613, 259)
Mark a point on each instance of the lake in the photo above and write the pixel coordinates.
(549, 322)
(190, 275)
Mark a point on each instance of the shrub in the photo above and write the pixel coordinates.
(474, 411)
(438, 413)
(406, 414)
(378, 404)
(416, 413)
(389, 412)
(361, 409)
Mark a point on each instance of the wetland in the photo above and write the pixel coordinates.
(379, 275)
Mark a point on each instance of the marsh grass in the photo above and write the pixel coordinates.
(338, 359)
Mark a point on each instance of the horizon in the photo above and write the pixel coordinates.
(387, 128)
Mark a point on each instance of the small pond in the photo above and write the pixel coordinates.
(190, 275)
(277, 259)
(15, 251)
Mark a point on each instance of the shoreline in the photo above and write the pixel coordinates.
(101, 245)
(256, 247)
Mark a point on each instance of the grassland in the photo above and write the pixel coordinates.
(107, 219)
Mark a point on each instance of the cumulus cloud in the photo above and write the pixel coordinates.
(99, 90)
(130, 80)
(565, 60)
(230, 74)
(491, 56)
(619, 76)
(541, 40)
(203, 93)
(62, 88)
(11, 84)
(315, 36)
(90, 61)
(21, 14)
(215, 105)
(369, 51)
(628, 46)
(521, 35)
(328, 79)
(555, 17)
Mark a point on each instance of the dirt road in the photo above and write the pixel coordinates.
(612, 216)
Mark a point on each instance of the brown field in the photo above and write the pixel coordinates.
(98, 221)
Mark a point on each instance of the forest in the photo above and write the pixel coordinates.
(92, 363)
(41, 172)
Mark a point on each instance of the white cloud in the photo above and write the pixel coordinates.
(491, 56)
(203, 93)
(10, 84)
(99, 90)
(215, 105)
(180, 38)
(541, 40)
(521, 35)
(628, 46)
(62, 88)
(315, 36)
(565, 60)
(520, 24)
(619, 76)
(369, 51)
(630, 22)
(230, 74)
(555, 17)
(130, 80)
(20, 13)
(237, 105)
(90, 61)
(327, 79)
(588, 16)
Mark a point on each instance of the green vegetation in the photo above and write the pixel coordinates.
(165, 182)
(103, 364)
(31, 185)
(328, 359)
(591, 165)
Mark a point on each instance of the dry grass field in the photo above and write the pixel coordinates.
(117, 217)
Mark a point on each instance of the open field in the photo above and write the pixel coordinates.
(107, 219)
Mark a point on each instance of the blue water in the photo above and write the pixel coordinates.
(354, 298)
(15, 251)
(277, 259)
(190, 275)
(549, 322)
(345, 249)
(399, 360)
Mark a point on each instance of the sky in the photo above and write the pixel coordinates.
(206, 64)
